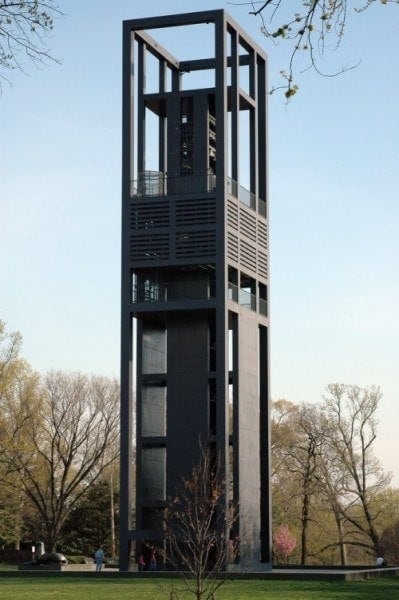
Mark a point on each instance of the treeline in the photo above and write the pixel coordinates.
(59, 463)
(59, 448)
(332, 500)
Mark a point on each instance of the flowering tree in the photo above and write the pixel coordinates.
(313, 30)
(284, 542)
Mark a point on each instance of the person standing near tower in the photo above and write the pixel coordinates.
(99, 559)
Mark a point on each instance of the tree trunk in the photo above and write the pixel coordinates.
(342, 545)
(305, 523)
(113, 551)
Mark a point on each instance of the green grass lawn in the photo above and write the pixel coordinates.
(84, 588)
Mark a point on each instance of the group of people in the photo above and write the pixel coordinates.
(99, 558)
(152, 563)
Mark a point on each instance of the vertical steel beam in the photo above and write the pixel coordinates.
(141, 126)
(234, 142)
(126, 321)
(222, 325)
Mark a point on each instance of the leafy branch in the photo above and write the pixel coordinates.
(312, 28)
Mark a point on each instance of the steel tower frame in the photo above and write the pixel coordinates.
(195, 278)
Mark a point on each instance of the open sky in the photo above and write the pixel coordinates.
(334, 216)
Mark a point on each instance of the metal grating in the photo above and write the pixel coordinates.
(149, 247)
(232, 246)
(232, 215)
(247, 255)
(195, 243)
(248, 224)
(195, 212)
(149, 216)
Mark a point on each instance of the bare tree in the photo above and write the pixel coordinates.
(10, 346)
(59, 441)
(196, 523)
(297, 449)
(306, 456)
(332, 480)
(351, 411)
(325, 474)
(25, 25)
(312, 28)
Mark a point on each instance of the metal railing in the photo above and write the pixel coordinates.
(246, 197)
(243, 297)
(157, 183)
(247, 299)
(232, 291)
(172, 291)
(241, 193)
(194, 290)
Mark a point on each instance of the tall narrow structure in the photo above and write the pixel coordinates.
(194, 273)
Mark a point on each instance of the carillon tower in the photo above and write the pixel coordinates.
(194, 276)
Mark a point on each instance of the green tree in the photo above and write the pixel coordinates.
(65, 442)
(328, 485)
(296, 450)
(88, 525)
(18, 392)
(389, 543)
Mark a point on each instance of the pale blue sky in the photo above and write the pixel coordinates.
(333, 195)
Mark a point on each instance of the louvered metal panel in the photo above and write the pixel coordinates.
(195, 212)
(195, 244)
(149, 247)
(149, 215)
(248, 224)
(248, 256)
